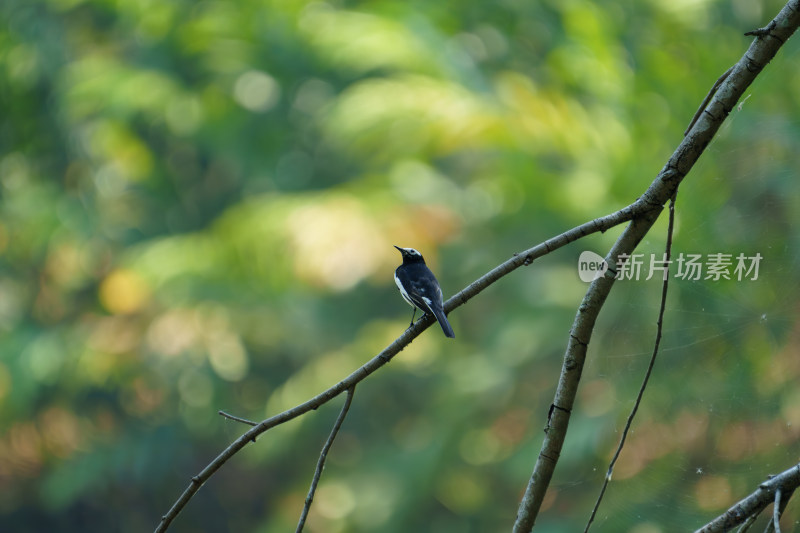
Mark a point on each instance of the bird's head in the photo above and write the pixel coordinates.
(410, 255)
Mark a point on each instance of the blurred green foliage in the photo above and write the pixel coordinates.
(199, 203)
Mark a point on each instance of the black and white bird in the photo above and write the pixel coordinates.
(420, 289)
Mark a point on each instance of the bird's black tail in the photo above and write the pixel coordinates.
(439, 314)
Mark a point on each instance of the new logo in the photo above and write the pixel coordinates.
(591, 266)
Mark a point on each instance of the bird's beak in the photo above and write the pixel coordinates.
(401, 250)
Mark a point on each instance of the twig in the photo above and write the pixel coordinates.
(761, 32)
(760, 53)
(237, 419)
(787, 481)
(747, 523)
(656, 344)
(776, 511)
(786, 495)
(780, 503)
(322, 456)
(707, 99)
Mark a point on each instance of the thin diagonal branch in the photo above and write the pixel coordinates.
(648, 373)
(324, 455)
(761, 51)
(521, 259)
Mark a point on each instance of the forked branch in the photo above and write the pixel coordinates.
(750, 507)
(713, 113)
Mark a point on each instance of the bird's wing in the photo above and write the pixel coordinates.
(399, 280)
(428, 293)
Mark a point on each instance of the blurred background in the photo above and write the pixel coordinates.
(199, 203)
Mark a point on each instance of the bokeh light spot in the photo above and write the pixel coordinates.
(124, 291)
(228, 357)
(334, 500)
(256, 91)
(712, 493)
